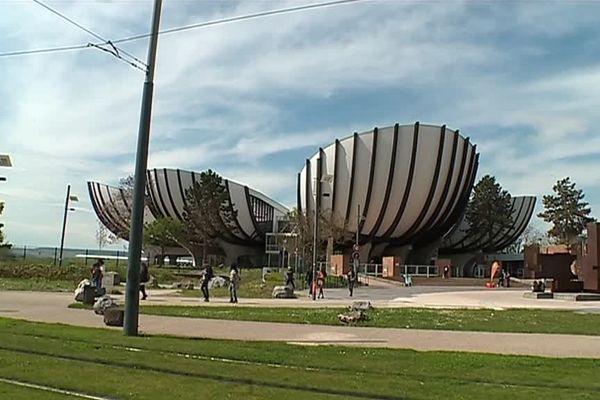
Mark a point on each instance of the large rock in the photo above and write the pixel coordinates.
(352, 317)
(183, 285)
(218, 281)
(114, 317)
(363, 305)
(79, 290)
(104, 303)
(283, 292)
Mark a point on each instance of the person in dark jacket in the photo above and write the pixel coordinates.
(144, 278)
(208, 275)
(308, 278)
(351, 280)
(289, 280)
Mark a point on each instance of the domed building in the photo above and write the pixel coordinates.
(411, 184)
(255, 214)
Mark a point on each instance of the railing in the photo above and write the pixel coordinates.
(427, 271)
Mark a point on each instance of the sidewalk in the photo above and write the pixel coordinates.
(52, 308)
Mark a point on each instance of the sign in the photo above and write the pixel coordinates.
(355, 247)
(355, 255)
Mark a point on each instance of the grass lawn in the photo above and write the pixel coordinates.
(37, 284)
(15, 392)
(520, 320)
(102, 362)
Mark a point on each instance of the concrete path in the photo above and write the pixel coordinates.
(52, 307)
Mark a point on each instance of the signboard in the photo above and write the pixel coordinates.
(355, 255)
(355, 247)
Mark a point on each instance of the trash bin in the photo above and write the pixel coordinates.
(89, 294)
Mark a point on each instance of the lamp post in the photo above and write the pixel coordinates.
(69, 198)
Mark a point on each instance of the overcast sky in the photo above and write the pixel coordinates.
(253, 99)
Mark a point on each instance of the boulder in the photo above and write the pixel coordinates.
(114, 317)
(152, 282)
(283, 292)
(352, 317)
(183, 285)
(360, 306)
(104, 303)
(79, 290)
(218, 281)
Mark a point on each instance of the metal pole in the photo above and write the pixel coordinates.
(130, 326)
(62, 238)
(316, 227)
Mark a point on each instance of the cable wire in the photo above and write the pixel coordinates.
(171, 30)
(94, 34)
(239, 18)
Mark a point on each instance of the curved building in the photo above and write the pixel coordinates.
(411, 182)
(256, 213)
(458, 242)
(113, 208)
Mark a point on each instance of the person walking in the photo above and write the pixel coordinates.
(351, 280)
(144, 278)
(208, 275)
(320, 283)
(234, 284)
(289, 280)
(308, 278)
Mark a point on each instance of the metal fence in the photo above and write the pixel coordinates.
(52, 254)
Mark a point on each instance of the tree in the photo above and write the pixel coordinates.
(167, 232)
(3, 244)
(534, 236)
(207, 214)
(567, 212)
(103, 236)
(489, 211)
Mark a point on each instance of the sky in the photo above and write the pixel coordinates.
(253, 99)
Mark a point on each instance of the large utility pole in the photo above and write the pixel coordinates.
(132, 298)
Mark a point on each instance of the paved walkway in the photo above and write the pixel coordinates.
(52, 307)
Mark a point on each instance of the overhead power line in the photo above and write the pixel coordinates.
(115, 51)
(177, 29)
(239, 18)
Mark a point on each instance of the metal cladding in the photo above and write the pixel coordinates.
(410, 181)
(257, 214)
(113, 207)
(457, 241)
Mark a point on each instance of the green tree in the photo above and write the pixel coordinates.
(566, 211)
(207, 214)
(489, 211)
(167, 232)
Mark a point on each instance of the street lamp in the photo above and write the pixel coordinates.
(69, 198)
(4, 162)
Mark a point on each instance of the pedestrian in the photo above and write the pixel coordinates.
(351, 280)
(289, 280)
(208, 275)
(308, 278)
(234, 284)
(446, 271)
(97, 275)
(507, 279)
(320, 283)
(144, 278)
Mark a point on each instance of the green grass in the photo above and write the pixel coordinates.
(37, 284)
(105, 363)
(15, 392)
(518, 320)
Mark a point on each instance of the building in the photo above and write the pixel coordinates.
(256, 214)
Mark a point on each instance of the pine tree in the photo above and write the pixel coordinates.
(207, 214)
(489, 211)
(566, 211)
